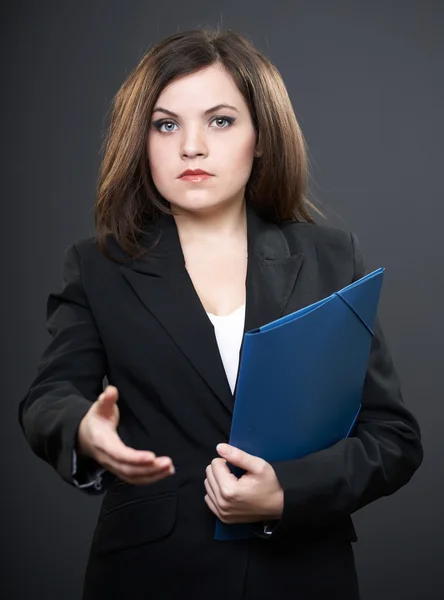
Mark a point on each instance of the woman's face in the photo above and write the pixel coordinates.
(218, 140)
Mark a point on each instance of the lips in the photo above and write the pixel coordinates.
(195, 172)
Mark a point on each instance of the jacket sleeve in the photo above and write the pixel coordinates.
(380, 456)
(69, 378)
(85, 478)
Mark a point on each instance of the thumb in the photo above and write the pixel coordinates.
(239, 458)
(107, 400)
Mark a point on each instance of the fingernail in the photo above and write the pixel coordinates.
(172, 470)
(223, 448)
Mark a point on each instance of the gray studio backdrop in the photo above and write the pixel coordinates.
(365, 79)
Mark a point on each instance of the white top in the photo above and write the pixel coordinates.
(229, 330)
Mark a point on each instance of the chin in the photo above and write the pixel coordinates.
(200, 204)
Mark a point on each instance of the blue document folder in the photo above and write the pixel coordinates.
(301, 378)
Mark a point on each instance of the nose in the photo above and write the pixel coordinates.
(193, 143)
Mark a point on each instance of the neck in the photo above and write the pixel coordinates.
(212, 226)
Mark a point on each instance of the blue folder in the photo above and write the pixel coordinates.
(301, 378)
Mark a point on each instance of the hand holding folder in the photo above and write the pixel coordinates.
(301, 378)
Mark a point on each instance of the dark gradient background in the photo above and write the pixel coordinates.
(366, 81)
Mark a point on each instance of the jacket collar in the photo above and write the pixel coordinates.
(162, 283)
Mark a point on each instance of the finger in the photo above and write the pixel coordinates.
(210, 492)
(140, 474)
(147, 479)
(106, 403)
(110, 395)
(239, 458)
(213, 507)
(112, 446)
(131, 470)
(223, 476)
(213, 486)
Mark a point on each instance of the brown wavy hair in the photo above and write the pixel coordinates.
(127, 200)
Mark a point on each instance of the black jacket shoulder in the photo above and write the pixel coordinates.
(330, 246)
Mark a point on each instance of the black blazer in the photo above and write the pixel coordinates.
(143, 327)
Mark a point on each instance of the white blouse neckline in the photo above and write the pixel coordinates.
(226, 316)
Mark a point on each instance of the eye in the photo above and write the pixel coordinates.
(159, 124)
(229, 120)
(165, 126)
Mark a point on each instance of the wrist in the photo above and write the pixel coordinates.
(277, 506)
(81, 445)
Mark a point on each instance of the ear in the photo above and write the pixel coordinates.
(257, 148)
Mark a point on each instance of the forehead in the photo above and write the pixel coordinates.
(207, 87)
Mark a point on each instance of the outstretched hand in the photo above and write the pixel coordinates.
(98, 438)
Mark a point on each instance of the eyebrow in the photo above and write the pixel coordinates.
(210, 110)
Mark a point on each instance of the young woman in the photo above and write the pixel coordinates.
(203, 233)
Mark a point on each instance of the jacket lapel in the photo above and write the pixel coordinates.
(163, 285)
(271, 274)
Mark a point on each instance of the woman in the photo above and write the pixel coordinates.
(203, 233)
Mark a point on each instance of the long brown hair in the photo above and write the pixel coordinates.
(127, 199)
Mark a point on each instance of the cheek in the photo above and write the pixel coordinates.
(156, 160)
(241, 156)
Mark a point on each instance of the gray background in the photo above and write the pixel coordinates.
(365, 79)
